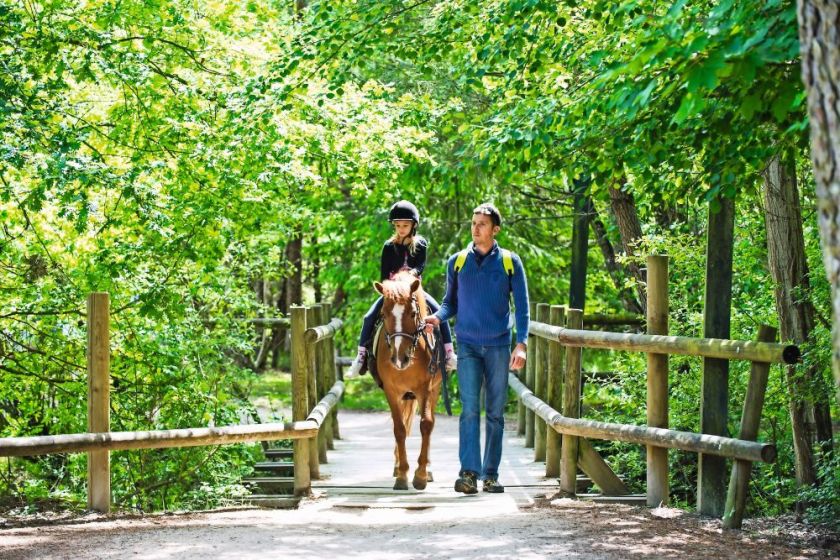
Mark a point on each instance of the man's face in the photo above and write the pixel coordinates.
(483, 229)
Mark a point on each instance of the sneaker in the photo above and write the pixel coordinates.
(356, 366)
(451, 362)
(492, 485)
(466, 483)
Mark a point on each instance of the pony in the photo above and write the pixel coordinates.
(403, 358)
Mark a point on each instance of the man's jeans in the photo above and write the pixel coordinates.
(477, 366)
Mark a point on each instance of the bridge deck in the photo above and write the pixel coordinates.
(359, 471)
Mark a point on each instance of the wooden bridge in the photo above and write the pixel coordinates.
(358, 472)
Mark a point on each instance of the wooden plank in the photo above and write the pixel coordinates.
(673, 439)
(739, 480)
(571, 408)
(541, 383)
(312, 392)
(556, 358)
(300, 399)
(321, 378)
(530, 381)
(657, 380)
(683, 345)
(154, 439)
(99, 399)
(591, 462)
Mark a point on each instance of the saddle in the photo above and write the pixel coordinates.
(371, 352)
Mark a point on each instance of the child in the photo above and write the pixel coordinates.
(404, 250)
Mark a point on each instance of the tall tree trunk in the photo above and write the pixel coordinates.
(580, 246)
(316, 270)
(294, 283)
(789, 268)
(819, 40)
(616, 271)
(627, 218)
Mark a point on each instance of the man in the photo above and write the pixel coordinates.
(479, 281)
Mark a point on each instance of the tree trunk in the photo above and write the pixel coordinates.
(616, 271)
(788, 266)
(627, 218)
(580, 246)
(294, 283)
(714, 404)
(316, 270)
(819, 39)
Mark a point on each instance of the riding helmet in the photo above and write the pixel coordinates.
(404, 210)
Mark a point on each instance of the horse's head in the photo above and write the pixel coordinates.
(401, 314)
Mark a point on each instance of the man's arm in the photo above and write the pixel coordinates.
(519, 285)
(449, 305)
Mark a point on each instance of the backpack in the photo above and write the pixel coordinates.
(507, 262)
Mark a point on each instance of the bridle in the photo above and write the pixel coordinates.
(415, 337)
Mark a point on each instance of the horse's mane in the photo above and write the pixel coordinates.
(398, 289)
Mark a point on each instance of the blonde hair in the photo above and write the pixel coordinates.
(412, 246)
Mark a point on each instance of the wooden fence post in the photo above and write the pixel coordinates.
(657, 379)
(312, 392)
(99, 398)
(541, 384)
(321, 380)
(557, 317)
(739, 481)
(571, 408)
(329, 357)
(530, 371)
(300, 399)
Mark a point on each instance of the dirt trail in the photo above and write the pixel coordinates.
(355, 514)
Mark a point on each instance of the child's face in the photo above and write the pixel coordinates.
(403, 227)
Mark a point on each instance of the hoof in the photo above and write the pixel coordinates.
(401, 484)
(419, 483)
(429, 476)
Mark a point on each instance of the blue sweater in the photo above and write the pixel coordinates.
(480, 296)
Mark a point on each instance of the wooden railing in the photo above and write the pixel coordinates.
(315, 420)
(552, 392)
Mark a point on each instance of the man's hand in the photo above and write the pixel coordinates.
(517, 357)
(431, 323)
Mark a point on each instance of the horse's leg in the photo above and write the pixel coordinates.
(427, 424)
(408, 422)
(397, 414)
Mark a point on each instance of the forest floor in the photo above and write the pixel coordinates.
(355, 514)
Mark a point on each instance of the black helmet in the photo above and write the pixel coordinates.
(404, 210)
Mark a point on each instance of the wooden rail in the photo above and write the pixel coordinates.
(686, 346)
(186, 437)
(700, 443)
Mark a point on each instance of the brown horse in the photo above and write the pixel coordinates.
(403, 358)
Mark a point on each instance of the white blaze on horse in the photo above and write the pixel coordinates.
(403, 357)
